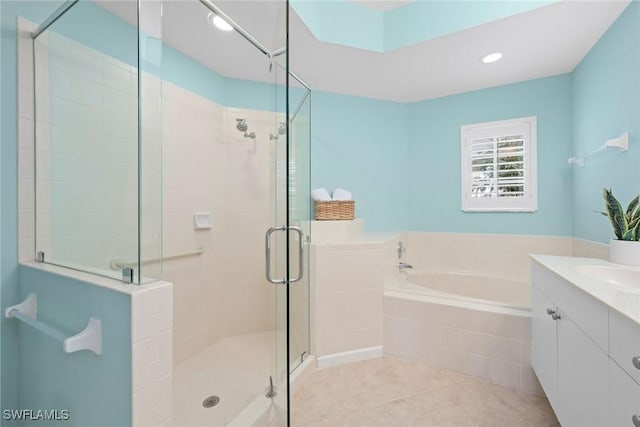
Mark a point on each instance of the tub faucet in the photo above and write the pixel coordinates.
(404, 266)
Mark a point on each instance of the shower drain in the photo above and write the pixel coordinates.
(210, 401)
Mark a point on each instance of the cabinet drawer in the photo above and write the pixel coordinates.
(591, 316)
(624, 343)
(624, 397)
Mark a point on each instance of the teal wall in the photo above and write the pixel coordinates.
(424, 20)
(49, 378)
(95, 389)
(8, 188)
(606, 99)
(344, 23)
(434, 158)
(349, 24)
(360, 144)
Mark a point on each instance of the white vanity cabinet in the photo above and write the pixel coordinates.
(571, 338)
(582, 378)
(624, 398)
(624, 371)
(544, 343)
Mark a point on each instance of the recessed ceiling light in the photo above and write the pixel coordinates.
(219, 23)
(492, 57)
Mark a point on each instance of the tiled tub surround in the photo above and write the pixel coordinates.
(589, 249)
(490, 341)
(463, 337)
(497, 255)
(347, 286)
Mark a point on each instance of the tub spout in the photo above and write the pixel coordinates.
(404, 266)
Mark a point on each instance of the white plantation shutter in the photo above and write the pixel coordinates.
(498, 166)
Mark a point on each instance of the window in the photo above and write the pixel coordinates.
(499, 166)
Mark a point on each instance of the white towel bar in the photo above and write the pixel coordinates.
(622, 143)
(90, 338)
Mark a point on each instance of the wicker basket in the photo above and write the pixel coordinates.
(335, 210)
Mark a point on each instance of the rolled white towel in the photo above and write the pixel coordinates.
(320, 194)
(342, 194)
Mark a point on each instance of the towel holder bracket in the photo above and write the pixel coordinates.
(90, 338)
(28, 307)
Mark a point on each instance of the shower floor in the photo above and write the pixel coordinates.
(236, 369)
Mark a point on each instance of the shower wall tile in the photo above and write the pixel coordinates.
(26, 196)
(152, 353)
(222, 292)
(85, 155)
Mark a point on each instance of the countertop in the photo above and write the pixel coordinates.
(626, 302)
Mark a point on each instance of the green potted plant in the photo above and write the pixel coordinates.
(625, 248)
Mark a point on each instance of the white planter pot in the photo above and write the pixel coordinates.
(624, 252)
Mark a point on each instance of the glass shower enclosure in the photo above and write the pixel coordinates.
(98, 142)
(172, 143)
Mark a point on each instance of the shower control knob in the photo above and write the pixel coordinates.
(636, 361)
(636, 420)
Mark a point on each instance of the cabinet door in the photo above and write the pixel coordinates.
(582, 378)
(544, 345)
(624, 397)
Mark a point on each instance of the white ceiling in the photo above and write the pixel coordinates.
(543, 42)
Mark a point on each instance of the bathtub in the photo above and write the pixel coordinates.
(467, 287)
(474, 324)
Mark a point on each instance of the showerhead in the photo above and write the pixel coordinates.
(241, 125)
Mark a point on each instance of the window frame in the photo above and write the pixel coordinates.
(526, 126)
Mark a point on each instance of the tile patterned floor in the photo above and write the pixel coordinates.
(389, 392)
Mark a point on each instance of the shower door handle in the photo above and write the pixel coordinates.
(267, 254)
(300, 254)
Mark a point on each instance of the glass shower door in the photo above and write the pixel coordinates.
(299, 185)
(277, 248)
(222, 115)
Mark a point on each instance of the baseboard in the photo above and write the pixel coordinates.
(336, 359)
